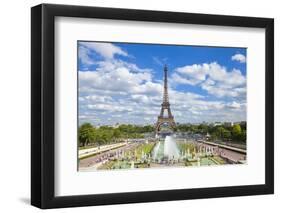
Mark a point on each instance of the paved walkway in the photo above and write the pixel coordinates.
(225, 146)
(96, 150)
(92, 163)
(227, 152)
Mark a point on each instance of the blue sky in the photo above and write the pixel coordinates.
(122, 82)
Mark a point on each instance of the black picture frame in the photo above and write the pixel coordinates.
(43, 105)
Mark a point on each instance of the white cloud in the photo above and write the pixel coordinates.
(109, 107)
(84, 56)
(195, 71)
(178, 79)
(219, 91)
(114, 76)
(239, 57)
(97, 98)
(107, 50)
(213, 78)
(234, 105)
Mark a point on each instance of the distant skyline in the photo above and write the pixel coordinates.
(123, 83)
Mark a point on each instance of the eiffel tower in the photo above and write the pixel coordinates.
(165, 106)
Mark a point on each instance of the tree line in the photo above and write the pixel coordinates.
(90, 135)
(237, 132)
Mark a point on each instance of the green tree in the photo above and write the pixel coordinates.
(203, 128)
(220, 131)
(243, 136)
(116, 133)
(227, 134)
(85, 134)
(236, 132)
(194, 129)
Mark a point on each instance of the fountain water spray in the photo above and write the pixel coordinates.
(170, 148)
(155, 151)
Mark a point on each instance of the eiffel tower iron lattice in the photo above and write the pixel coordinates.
(165, 106)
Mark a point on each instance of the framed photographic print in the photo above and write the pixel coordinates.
(140, 106)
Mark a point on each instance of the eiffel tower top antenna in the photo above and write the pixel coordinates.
(165, 95)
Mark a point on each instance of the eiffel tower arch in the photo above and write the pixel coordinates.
(165, 106)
